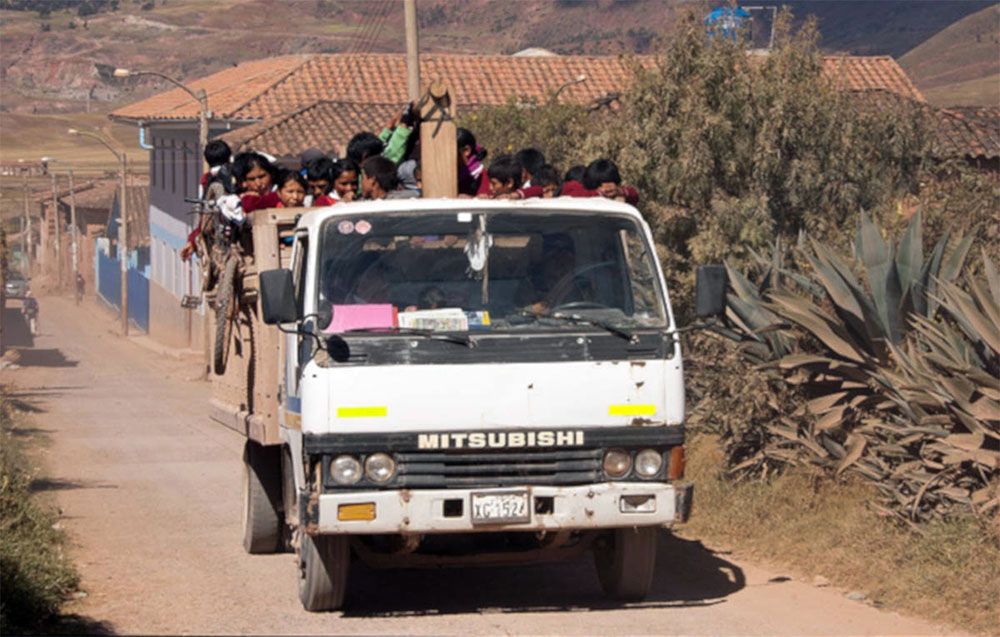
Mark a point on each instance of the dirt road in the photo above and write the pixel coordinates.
(150, 493)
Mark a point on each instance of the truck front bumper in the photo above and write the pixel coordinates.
(595, 506)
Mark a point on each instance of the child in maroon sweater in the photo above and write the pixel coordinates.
(503, 179)
(601, 179)
(254, 174)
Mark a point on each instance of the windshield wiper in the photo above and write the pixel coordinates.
(621, 332)
(451, 337)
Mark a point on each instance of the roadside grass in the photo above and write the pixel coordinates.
(948, 572)
(36, 576)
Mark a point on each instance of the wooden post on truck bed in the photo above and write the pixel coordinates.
(438, 143)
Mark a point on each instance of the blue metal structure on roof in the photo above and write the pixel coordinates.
(726, 22)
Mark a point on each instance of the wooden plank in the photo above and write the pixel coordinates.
(438, 144)
(253, 411)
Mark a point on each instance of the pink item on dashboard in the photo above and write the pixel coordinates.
(352, 317)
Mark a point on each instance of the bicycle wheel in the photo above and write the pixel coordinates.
(225, 303)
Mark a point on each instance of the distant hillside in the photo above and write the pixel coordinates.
(882, 27)
(48, 62)
(960, 66)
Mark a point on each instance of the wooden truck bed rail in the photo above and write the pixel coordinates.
(245, 397)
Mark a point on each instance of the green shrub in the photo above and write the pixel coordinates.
(730, 149)
(35, 575)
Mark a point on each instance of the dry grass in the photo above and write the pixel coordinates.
(983, 91)
(950, 572)
(30, 137)
(35, 573)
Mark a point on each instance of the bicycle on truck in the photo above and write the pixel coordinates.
(219, 246)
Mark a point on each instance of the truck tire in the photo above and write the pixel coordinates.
(324, 562)
(225, 315)
(262, 517)
(625, 560)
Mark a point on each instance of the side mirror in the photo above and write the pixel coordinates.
(710, 291)
(277, 297)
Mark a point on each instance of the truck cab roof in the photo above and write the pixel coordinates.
(598, 205)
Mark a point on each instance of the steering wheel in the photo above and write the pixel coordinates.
(579, 305)
(566, 285)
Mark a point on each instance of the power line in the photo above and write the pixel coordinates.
(368, 38)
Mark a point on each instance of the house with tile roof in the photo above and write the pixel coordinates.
(289, 103)
(970, 133)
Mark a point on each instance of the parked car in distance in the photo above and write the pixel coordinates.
(16, 286)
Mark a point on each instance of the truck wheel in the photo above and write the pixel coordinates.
(262, 518)
(324, 561)
(625, 560)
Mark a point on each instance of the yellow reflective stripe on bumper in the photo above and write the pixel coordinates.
(362, 412)
(631, 410)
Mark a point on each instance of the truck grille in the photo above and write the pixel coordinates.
(456, 469)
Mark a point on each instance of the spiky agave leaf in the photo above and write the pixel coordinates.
(915, 349)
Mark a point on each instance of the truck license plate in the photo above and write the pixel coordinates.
(498, 508)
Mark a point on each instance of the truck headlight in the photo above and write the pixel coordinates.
(648, 463)
(345, 470)
(617, 463)
(380, 467)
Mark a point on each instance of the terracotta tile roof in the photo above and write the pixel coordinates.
(228, 91)
(968, 132)
(100, 196)
(866, 73)
(475, 80)
(268, 88)
(326, 125)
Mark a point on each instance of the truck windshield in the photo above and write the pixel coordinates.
(487, 271)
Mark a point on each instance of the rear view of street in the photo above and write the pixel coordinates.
(149, 490)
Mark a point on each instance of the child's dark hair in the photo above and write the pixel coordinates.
(546, 176)
(320, 168)
(364, 145)
(505, 168)
(601, 171)
(341, 166)
(245, 162)
(217, 153)
(383, 171)
(286, 176)
(466, 138)
(575, 173)
(531, 159)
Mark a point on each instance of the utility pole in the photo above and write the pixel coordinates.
(75, 231)
(26, 226)
(123, 253)
(55, 222)
(412, 50)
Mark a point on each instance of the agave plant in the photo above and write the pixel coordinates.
(899, 374)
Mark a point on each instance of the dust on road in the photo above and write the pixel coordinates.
(150, 494)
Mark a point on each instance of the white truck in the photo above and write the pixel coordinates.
(439, 381)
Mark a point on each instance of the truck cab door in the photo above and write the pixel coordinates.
(298, 349)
